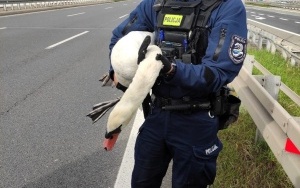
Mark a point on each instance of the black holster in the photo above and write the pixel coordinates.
(146, 105)
(232, 112)
(226, 106)
(219, 101)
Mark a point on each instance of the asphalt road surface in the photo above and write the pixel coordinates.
(50, 64)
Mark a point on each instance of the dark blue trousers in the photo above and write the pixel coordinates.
(189, 139)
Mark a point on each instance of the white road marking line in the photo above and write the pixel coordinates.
(297, 22)
(271, 16)
(259, 18)
(108, 8)
(283, 19)
(123, 16)
(275, 28)
(76, 14)
(3, 27)
(125, 170)
(66, 40)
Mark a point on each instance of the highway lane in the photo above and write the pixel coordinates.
(26, 37)
(50, 65)
(281, 19)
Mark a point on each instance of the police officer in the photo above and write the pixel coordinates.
(204, 46)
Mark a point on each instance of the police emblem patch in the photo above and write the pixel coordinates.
(237, 50)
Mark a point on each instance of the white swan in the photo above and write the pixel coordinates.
(138, 78)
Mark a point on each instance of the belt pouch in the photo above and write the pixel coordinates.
(232, 112)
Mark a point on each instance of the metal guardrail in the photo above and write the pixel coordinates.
(286, 4)
(259, 95)
(273, 43)
(291, 94)
(12, 5)
(275, 124)
(293, 5)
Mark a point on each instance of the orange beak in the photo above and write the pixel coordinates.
(109, 143)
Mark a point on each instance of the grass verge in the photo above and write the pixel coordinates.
(290, 76)
(244, 163)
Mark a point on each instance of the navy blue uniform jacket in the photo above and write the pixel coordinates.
(227, 38)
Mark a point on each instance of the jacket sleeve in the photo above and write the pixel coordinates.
(140, 19)
(225, 52)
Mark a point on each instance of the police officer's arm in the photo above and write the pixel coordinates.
(225, 52)
(140, 19)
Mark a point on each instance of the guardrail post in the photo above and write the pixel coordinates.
(268, 45)
(294, 62)
(284, 54)
(273, 48)
(260, 42)
(271, 83)
(254, 38)
(269, 38)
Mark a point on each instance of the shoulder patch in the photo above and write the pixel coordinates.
(237, 49)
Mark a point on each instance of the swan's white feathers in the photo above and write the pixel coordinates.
(124, 55)
(140, 78)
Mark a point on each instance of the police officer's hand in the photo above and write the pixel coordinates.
(167, 65)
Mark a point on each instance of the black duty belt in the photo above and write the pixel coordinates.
(181, 104)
